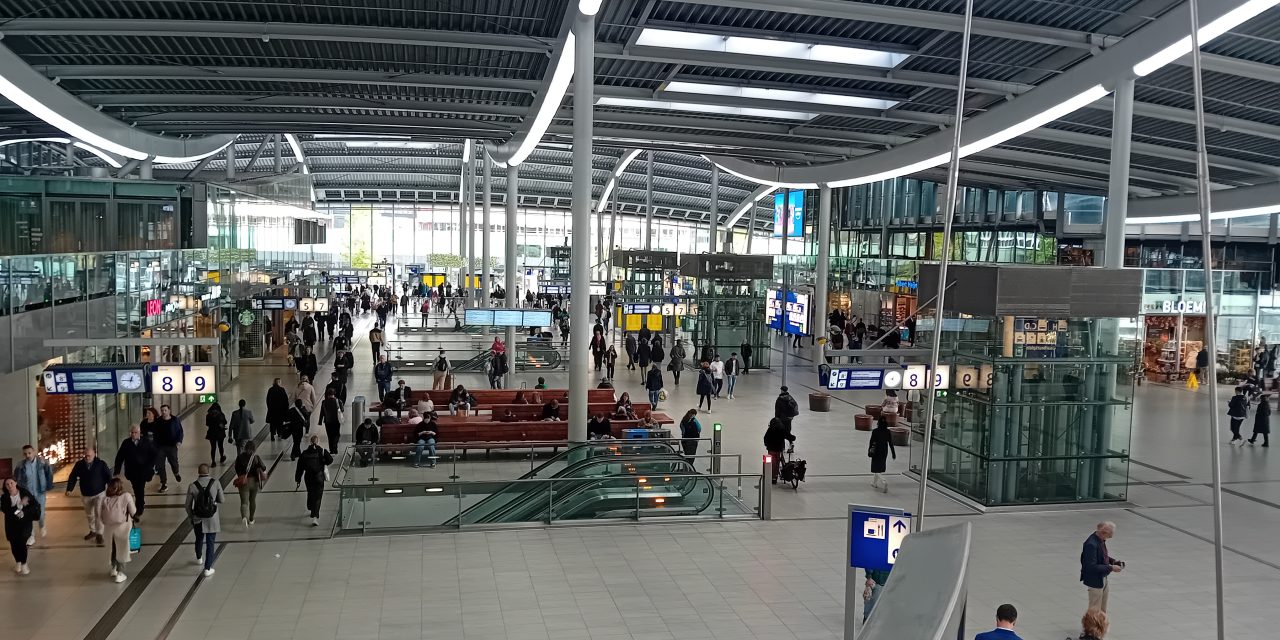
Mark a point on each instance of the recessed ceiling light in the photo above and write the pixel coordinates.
(647, 103)
(671, 39)
(780, 94)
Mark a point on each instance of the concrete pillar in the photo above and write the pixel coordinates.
(278, 159)
(584, 28)
(823, 265)
(230, 157)
(144, 169)
(470, 262)
(485, 269)
(648, 202)
(714, 209)
(1118, 184)
(513, 266)
(751, 224)
(462, 228)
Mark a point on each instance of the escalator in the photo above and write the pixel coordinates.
(609, 481)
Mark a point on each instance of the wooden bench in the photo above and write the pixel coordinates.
(534, 411)
(488, 434)
(487, 398)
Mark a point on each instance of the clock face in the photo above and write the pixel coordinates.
(130, 380)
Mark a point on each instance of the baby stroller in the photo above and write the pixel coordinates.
(793, 470)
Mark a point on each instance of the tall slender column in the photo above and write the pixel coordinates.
(600, 235)
(462, 226)
(513, 267)
(648, 202)
(751, 224)
(613, 234)
(714, 209)
(230, 157)
(487, 190)
(471, 230)
(1118, 184)
(584, 28)
(823, 270)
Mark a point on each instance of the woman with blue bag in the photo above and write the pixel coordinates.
(116, 511)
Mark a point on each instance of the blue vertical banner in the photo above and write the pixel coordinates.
(795, 229)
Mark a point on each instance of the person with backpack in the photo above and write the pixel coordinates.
(785, 408)
(35, 474)
(440, 372)
(690, 431)
(879, 449)
(313, 469)
(241, 434)
(203, 497)
(776, 437)
(215, 424)
(251, 473)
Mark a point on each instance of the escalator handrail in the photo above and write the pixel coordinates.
(689, 482)
(536, 496)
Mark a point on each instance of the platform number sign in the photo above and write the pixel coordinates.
(182, 379)
(166, 380)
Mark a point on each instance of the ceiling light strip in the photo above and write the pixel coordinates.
(38, 109)
(102, 155)
(613, 179)
(561, 75)
(1264, 210)
(1223, 24)
(795, 50)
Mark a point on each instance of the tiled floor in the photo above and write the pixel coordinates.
(778, 580)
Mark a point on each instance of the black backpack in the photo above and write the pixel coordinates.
(442, 364)
(205, 506)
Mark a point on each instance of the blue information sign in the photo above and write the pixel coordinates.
(875, 535)
(844, 379)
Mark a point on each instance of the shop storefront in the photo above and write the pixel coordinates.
(1171, 331)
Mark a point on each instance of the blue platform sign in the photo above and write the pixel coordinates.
(875, 535)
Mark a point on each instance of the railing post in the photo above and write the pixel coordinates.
(715, 448)
(766, 488)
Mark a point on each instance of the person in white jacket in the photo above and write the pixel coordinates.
(717, 374)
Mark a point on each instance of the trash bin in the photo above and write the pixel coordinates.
(819, 402)
(359, 405)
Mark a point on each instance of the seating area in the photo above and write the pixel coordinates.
(487, 398)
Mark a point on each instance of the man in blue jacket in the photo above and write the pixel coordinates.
(1096, 564)
(1006, 619)
(168, 437)
(93, 474)
(35, 475)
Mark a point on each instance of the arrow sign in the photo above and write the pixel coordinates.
(899, 526)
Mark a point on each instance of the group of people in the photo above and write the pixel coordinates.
(1238, 411)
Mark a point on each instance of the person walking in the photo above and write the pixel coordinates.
(137, 458)
(785, 408)
(717, 375)
(732, 367)
(676, 365)
(21, 510)
(440, 371)
(331, 418)
(643, 351)
(610, 362)
(690, 431)
(251, 473)
(706, 385)
(1097, 565)
(879, 449)
(776, 437)
(383, 372)
(629, 345)
(343, 363)
(745, 348)
(203, 497)
(656, 354)
(338, 388)
(215, 431)
(313, 469)
(277, 409)
(1237, 411)
(241, 421)
(93, 475)
(375, 340)
(497, 366)
(306, 393)
(1261, 422)
(1006, 620)
(298, 421)
(598, 348)
(168, 437)
(35, 474)
(653, 384)
(116, 512)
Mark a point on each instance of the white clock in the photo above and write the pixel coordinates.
(130, 381)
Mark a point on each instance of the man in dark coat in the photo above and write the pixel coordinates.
(137, 458)
(785, 408)
(277, 409)
(1096, 564)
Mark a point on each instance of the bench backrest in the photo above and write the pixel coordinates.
(489, 431)
(487, 397)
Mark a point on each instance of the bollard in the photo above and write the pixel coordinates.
(715, 448)
(766, 489)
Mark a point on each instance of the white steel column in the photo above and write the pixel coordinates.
(823, 271)
(1118, 185)
(230, 157)
(714, 209)
(470, 262)
(648, 201)
(485, 258)
(584, 28)
(513, 267)
(462, 222)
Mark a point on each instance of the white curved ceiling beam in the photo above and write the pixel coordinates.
(36, 94)
(748, 205)
(614, 176)
(1085, 83)
(1240, 202)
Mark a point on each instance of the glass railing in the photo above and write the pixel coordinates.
(589, 482)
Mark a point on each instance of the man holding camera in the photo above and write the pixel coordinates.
(1096, 565)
